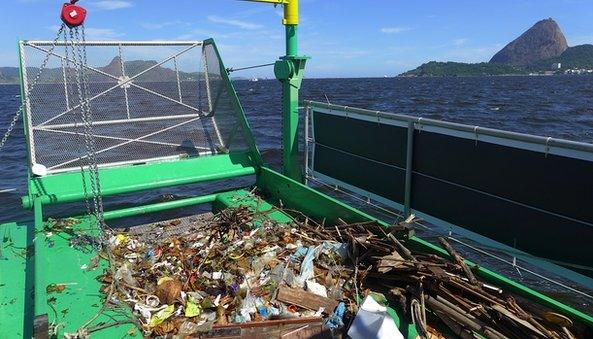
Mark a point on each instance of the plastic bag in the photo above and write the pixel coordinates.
(161, 316)
(307, 266)
(260, 263)
(187, 329)
(282, 273)
(124, 273)
(336, 320)
(312, 254)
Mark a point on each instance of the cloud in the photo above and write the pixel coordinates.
(231, 22)
(459, 42)
(110, 5)
(394, 30)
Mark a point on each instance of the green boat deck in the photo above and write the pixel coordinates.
(44, 264)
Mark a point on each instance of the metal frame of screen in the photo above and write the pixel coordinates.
(412, 128)
(126, 83)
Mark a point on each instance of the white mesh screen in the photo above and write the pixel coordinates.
(149, 101)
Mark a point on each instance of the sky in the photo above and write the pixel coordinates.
(344, 38)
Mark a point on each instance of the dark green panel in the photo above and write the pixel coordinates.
(532, 231)
(557, 184)
(518, 197)
(380, 142)
(378, 178)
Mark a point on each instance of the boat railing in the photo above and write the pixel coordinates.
(527, 193)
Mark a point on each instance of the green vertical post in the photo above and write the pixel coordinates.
(291, 40)
(290, 114)
(40, 267)
(289, 70)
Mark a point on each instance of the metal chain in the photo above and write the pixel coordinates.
(75, 59)
(78, 39)
(93, 157)
(18, 113)
(11, 127)
(67, 82)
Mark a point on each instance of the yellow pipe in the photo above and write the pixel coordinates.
(291, 13)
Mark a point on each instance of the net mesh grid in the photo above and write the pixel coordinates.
(166, 102)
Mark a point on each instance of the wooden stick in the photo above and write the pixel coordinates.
(473, 324)
(402, 250)
(458, 259)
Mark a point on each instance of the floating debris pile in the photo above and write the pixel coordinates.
(202, 275)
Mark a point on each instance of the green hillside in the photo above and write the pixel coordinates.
(579, 57)
(435, 68)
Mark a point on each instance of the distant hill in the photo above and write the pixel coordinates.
(535, 51)
(542, 41)
(577, 57)
(10, 75)
(434, 68)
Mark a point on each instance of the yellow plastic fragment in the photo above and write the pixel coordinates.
(163, 280)
(121, 239)
(192, 309)
(161, 316)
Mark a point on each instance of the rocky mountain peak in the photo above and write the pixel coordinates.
(543, 40)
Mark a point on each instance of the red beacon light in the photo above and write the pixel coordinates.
(72, 14)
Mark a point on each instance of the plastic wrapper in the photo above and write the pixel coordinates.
(161, 316)
(125, 274)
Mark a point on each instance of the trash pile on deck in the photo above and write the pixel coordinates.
(241, 267)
